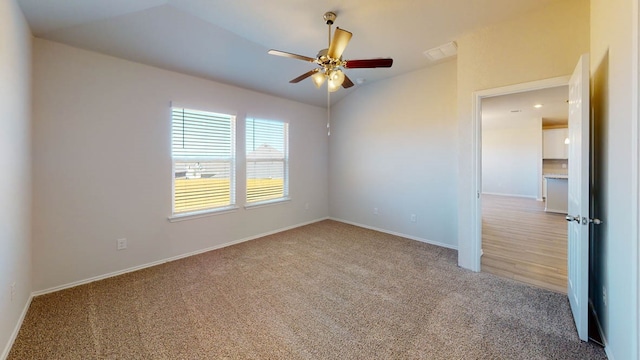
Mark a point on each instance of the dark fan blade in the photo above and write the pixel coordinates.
(347, 83)
(304, 76)
(368, 63)
(338, 43)
(290, 55)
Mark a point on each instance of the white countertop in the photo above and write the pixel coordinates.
(555, 176)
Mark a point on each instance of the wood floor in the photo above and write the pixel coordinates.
(522, 242)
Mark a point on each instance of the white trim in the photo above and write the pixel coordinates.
(16, 329)
(173, 258)
(411, 237)
(511, 195)
(635, 166)
(476, 168)
(599, 327)
(261, 204)
(200, 214)
(524, 87)
(476, 153)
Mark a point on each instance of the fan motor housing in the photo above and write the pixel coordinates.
(325, 61)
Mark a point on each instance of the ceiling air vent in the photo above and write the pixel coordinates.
(442, 52)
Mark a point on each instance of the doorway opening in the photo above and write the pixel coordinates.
(520, 234)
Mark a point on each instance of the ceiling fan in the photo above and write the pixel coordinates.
(330, 60)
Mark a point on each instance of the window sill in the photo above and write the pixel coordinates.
(201, 214)
(266, 203)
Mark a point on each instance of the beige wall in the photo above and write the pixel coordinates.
(614, 102)
(511, 153)
(15, 157)
(393, 147)
(542, 44)
(102, 166)
(96, 122)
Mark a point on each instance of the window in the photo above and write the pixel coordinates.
(203, 158)
(267, 160)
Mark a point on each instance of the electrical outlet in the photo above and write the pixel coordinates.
(375, 211)
(413, 218)
(13, 291)
(121, 244)
(564, 166)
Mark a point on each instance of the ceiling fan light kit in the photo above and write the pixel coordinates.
(331, 64)
(335, 79)
(330, 60)
(318, 79)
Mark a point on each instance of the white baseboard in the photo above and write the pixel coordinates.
(607, 352)
(427, 241)
(535, 197)
(16, 329)
(602, 334)
(173, 258)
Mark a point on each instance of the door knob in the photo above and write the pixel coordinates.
(573, 218)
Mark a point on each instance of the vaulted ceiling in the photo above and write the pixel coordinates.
(227, 40)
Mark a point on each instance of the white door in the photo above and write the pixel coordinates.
(578, 214)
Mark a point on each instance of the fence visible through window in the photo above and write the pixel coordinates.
(267, 160)
(203, 158)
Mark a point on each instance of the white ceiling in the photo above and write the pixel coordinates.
(227, 40)
(500, 110)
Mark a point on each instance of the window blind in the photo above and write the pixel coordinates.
(267, 160)
(203, 157)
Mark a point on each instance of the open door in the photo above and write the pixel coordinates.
(578, 213)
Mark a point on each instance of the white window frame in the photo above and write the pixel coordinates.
(284, 159)
(231, 160)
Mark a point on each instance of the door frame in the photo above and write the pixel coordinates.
(476, 170)
(635, 160)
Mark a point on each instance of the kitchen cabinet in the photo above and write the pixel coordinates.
(553, 146)
(557, 199)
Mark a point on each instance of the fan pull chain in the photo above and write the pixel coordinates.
(328, 111)
(329, 92)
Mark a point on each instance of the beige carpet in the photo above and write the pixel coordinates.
(322, 291)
